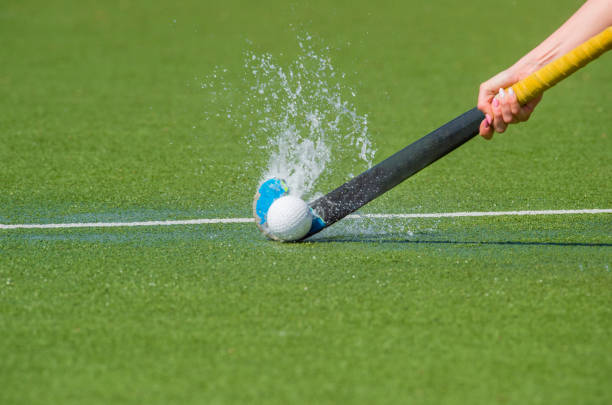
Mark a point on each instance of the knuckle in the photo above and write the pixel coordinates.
(500, 127)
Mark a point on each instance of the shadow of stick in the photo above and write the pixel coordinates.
(456, 242)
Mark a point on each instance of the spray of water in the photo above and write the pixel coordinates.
(300, 116)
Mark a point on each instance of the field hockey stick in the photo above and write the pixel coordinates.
(381, 178)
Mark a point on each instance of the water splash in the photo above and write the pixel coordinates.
(371, 229)
(298, 114)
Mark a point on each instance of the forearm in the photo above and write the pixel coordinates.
(592, 18)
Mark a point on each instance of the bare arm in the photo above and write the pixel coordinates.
(502, 108)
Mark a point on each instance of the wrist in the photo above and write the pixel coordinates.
(536, 59)
(523, 68)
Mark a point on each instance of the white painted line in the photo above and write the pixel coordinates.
(126, 224)
(485, 214)
(353, 216)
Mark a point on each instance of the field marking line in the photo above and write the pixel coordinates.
(128, 224)
(485, 214)
(353, 216)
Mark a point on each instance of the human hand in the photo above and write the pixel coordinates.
(501, 107)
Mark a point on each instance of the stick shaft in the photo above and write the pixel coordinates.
(390, 172)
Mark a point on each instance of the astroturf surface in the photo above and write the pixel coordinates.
(102, 119)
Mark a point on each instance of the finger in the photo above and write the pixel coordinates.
(498, 120)
(485, 97)
(531, 105)
(486, 131)
(524, 114)
(528, 108)
(515, 107)
(506, 109)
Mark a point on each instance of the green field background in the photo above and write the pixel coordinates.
(102, 119)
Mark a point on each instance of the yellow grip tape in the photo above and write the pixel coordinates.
(551, 74)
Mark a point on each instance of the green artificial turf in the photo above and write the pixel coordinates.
(102, 118)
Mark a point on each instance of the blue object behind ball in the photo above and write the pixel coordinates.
(269, 191)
